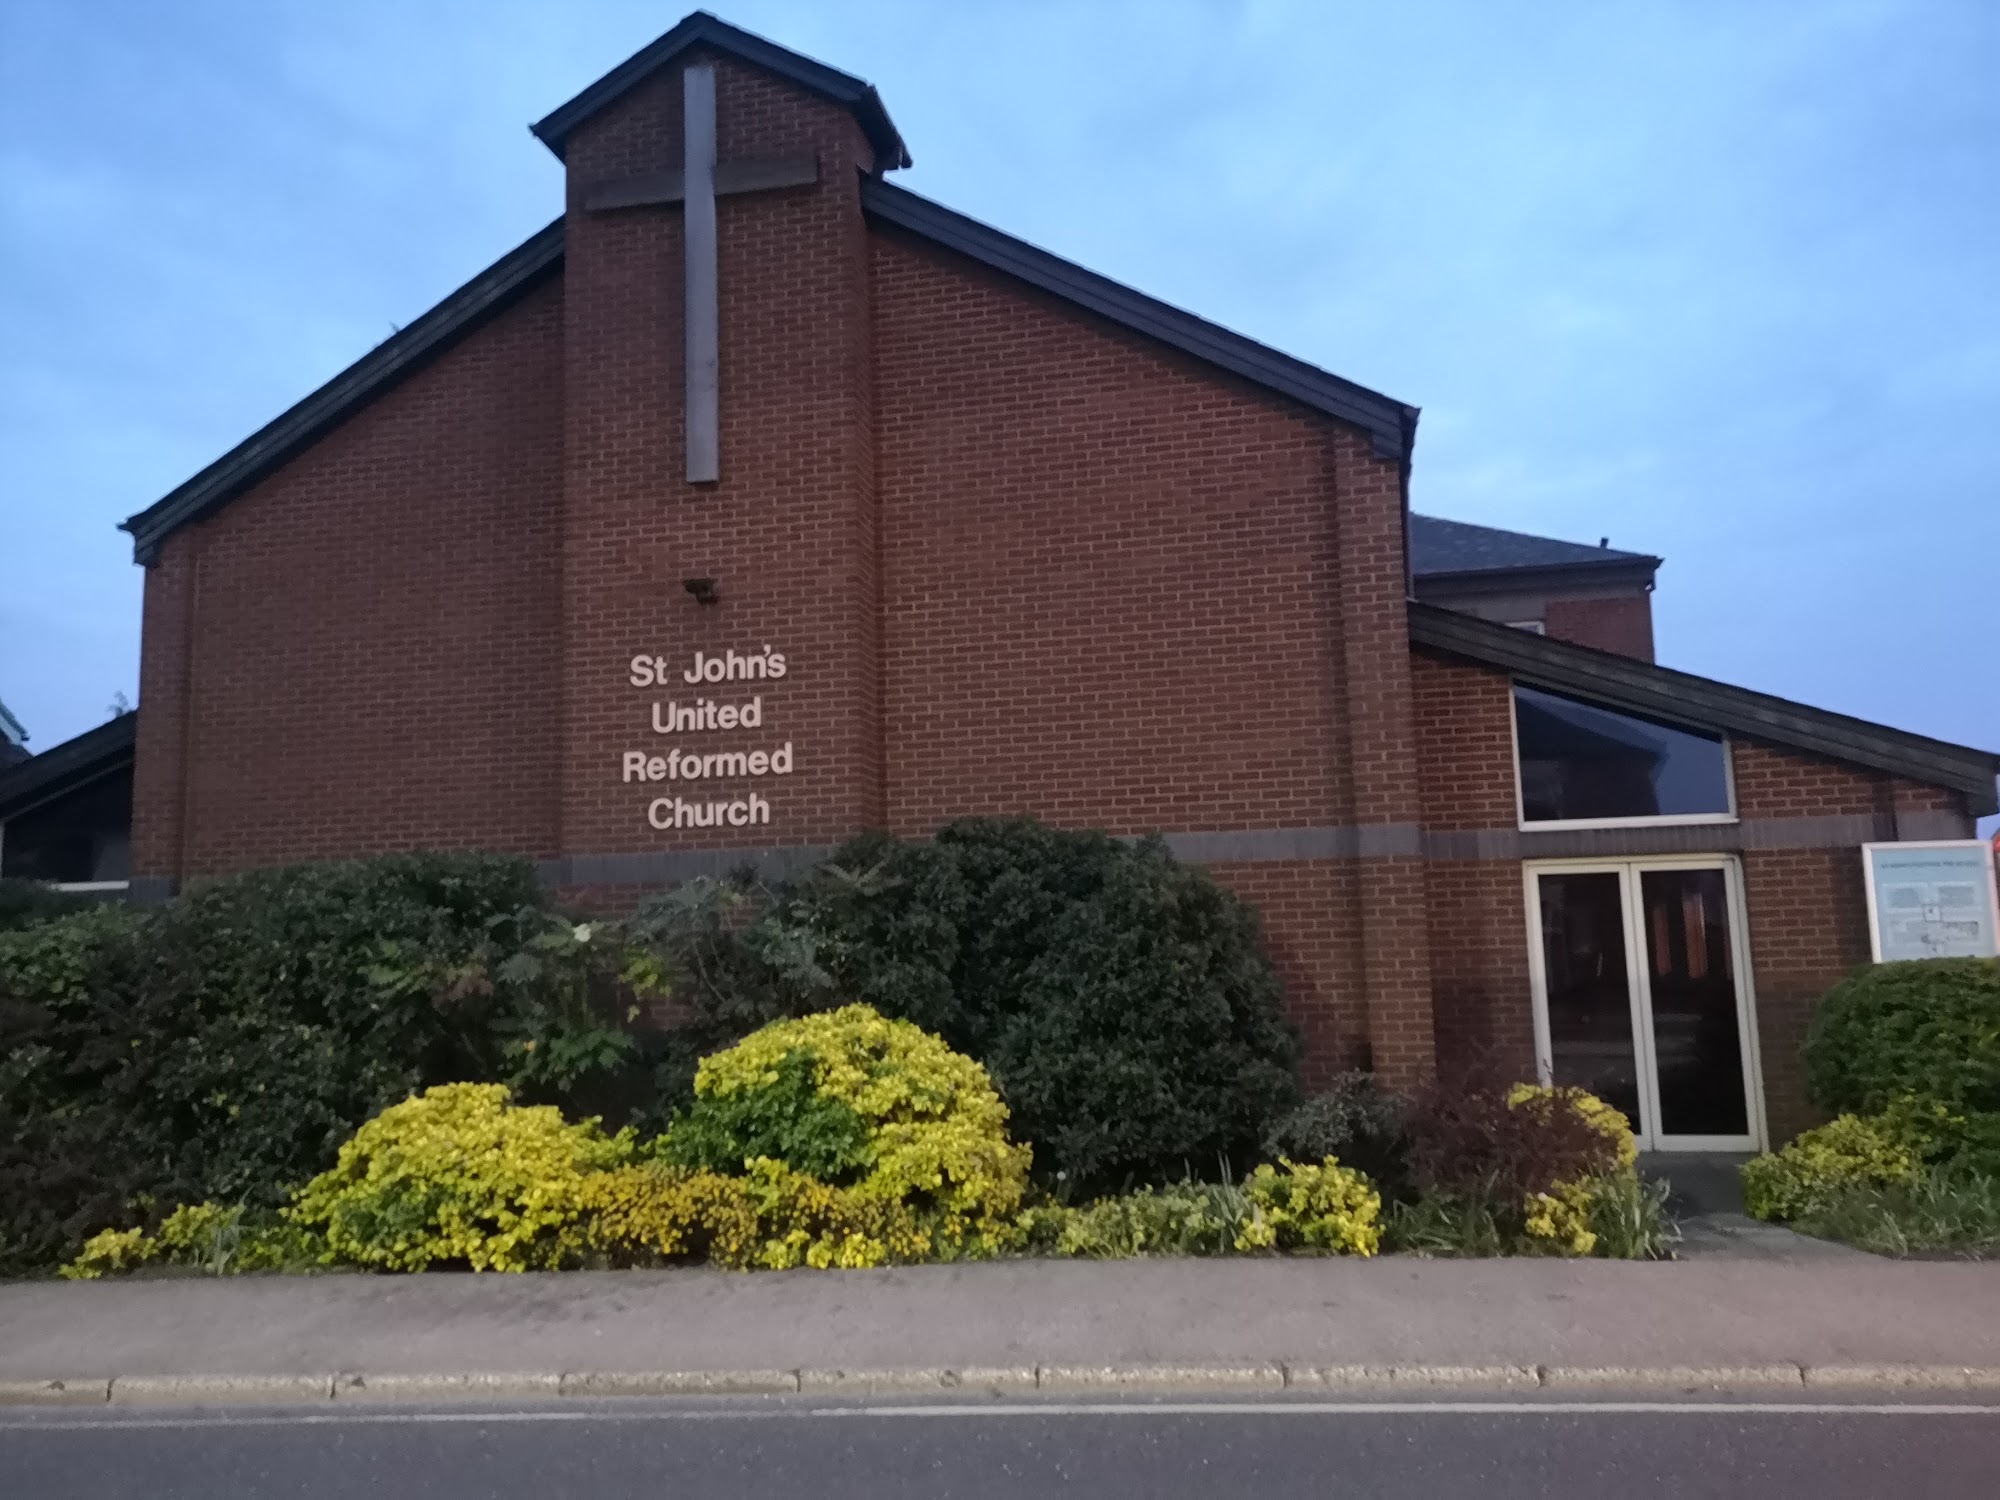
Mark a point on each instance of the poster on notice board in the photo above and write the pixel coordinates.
(1932, 900)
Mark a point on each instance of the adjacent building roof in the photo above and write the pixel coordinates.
(1703, 703)
(1441, 549)
(73, 763)
(701, 29)
(13, 735)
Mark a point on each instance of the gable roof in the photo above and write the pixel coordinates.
(1703, 703)
(700, 29)
(1390, 424)
(1444, 549)
(61, 768)
(498, 286)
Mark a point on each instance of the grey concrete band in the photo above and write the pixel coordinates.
(1251, 846)
(1219, 1378)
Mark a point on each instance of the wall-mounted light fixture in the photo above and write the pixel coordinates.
(703, 589)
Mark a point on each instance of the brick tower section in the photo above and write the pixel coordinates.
(1384, 795)
(787, 535)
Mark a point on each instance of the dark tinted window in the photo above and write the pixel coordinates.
(1582, 761)
(80, 836)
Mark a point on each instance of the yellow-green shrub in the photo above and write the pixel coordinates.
(1183, 1218)
(937, 1132)
(1326, 1209)
(458, 1174)
(215, 1237)
(1850, 1151)
(770, 1218)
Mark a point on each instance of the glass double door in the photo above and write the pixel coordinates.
(1640, 996)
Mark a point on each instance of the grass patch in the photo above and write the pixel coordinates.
(1942, 1210)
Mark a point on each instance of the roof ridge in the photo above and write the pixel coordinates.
(1390, 423)
(701, 29)
(367, 377)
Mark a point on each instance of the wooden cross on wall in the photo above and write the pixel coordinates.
(696, 185)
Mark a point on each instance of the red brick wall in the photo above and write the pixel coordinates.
(1808, 907)
(1477, 919)
(1120, 591)
(1621, 625)
(360, 654)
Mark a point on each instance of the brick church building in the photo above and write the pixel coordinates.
(757, 501)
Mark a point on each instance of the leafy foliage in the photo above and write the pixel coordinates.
(1849, 1151)
(212, 1237)
(1525, 1169)
(1353, 1119)
(458, 1175)
(787, 1119)
(23, 902)
(936, 1132)
(1119, 999)
(768, 1217)
(1939, 1210)
(1326, 1209)
(223, 1046)
(1929, 1028)
(1183, 1218)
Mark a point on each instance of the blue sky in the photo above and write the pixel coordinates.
(1719, 281)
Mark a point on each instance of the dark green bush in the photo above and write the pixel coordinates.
(1353, 1119)
(1929, 1028)
(26, 901)
(221, 1047)
(1119, 998)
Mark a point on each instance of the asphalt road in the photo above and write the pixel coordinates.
(775, 1447)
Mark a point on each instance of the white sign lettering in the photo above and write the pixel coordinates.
(681, 716)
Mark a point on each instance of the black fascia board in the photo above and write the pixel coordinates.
(1610, 570)
(700, 29)
(1390, 424)
(1703, 703)
(403, 352)
(62, 768)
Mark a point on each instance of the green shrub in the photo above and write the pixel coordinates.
(786, 1119)
(935, 1132)
(458, 1175)
(1847, 1152)
(1185, 1218)
(221, 1047)
(1939, 1210)
(1119, 999)
(216, 1238)
(1929, 1028)
(23, 902)
(1353, 1119)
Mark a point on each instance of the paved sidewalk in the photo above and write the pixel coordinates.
(1402, 1313)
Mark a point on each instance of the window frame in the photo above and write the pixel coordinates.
(1650, 820)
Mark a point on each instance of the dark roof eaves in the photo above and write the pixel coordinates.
(1390, 424)
(699, 29)
(61, 768)
(368, 377)
(1621, 568)
(1704, 703)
